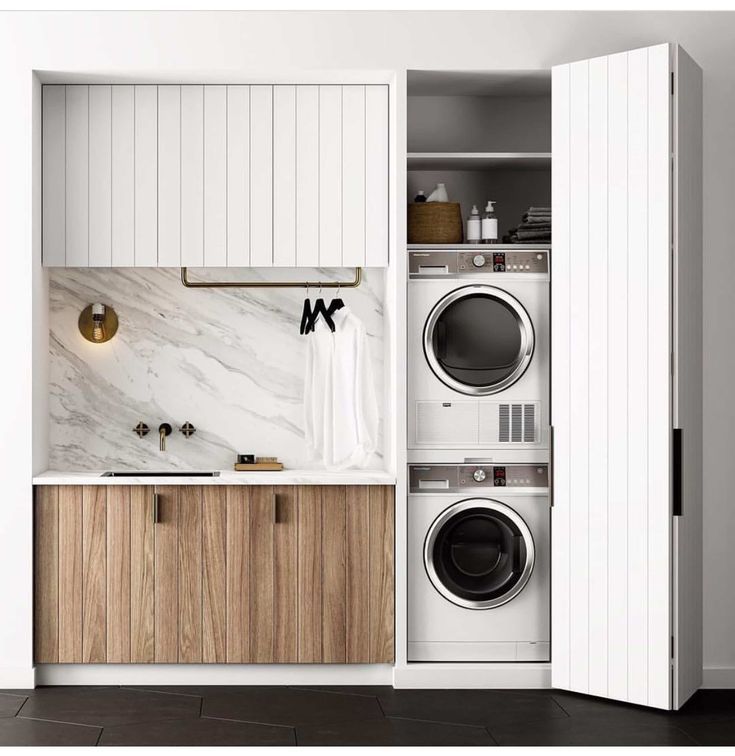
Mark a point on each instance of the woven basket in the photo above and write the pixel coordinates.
(434, 223)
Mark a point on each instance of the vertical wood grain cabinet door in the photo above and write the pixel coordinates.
(214, 574)
(215, 175)
(614, 615)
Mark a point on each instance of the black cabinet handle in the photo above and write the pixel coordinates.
(551, 466)
(156, 517)
(676, 473)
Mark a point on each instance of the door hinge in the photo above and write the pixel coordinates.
(672, 83)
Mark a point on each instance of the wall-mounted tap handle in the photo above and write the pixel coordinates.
(164, 429)
(141, 429)
(188, 429)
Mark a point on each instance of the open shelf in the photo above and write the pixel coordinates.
(477, 161)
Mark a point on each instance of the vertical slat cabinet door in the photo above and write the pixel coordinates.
(54, 175)
(376, 175)
(285, 579)
(70, 574)
(192, 175)
(190, 574)
(353, 175)
(598, 369)
(262, 521)
(261, 176)
(238, 176)
(334, 578)
(688, 374)
(146, 176)
(215, 176)
(284, 175)
(166, 538)
(46, 575)
(214, 574)
(239, 565)
(380, 574)
(94, 574)
(611, 279)
(77, 176)
(307, 176)
(330, 176)
(357, 596)
(100, 176)
(142, 575)
(578, 324)
(169, 176)
(118, 574)
(123, 176)
(310, 574)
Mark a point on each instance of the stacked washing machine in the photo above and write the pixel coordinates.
(478, 439)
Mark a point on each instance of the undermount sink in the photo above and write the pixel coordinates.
(165, 474)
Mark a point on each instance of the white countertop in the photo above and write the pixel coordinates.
(225, 478)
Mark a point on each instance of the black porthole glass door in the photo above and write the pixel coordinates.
(478, 340)
(479, 554)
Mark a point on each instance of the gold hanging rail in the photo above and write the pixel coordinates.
(271, 284)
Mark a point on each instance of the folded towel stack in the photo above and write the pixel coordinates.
(535, 227)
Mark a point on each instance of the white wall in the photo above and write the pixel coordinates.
(245, 45)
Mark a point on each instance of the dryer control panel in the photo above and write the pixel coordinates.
(431, 263)
(436, 478)
(504, 261)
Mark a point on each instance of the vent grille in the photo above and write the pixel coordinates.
(517, 423)
(516, 428)
(529, 423)
(504, 423)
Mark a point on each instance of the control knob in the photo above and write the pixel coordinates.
(479, 475)
(478, 261)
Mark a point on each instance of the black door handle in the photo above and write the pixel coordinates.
(676, 473)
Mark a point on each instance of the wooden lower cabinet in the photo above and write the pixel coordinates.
(214, 574)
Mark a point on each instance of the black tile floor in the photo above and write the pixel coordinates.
(314, 716)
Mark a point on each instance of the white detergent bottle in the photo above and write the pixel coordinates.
(473, 226)
(489, 224)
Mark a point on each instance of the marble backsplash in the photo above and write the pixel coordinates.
(230, 361)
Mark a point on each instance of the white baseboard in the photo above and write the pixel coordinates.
(718, 677)
(17, 677)
(503, 675)
(212, 674)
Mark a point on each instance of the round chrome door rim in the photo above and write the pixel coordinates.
(492, 506)
(524, 323)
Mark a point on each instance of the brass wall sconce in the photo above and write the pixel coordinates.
(98, 323)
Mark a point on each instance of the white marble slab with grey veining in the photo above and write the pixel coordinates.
(230, 361)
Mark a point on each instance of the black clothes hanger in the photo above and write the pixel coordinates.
(335, 304)
(320, 308)
(306, 314)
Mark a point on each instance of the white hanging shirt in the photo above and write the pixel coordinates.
(340, 408)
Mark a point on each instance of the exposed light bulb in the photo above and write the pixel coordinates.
(98, 322)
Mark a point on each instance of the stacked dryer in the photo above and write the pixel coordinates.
(478, 509)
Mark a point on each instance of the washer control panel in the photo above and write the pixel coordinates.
(437, 263)
(437, 478)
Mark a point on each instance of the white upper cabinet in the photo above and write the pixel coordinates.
(215, 176)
